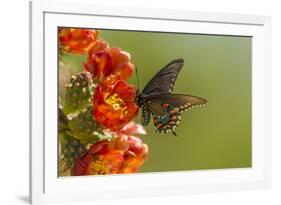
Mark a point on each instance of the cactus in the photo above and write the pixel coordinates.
(63, 121)
(78, 93)
(71, 149)
(81, 130)
(83, 127)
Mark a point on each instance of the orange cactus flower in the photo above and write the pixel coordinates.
(95, 47)
(114, 105)
(77, 41)
(110, 63)
(123, 154)
(137, 151)
(99, 160)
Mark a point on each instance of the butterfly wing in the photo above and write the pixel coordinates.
(164, 80)
(181, 102)
(167, 122)
(166, 109)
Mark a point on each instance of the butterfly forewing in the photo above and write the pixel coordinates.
(164, 80)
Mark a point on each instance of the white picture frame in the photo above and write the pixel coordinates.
(46, 187)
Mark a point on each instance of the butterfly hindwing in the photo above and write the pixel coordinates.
(164, 80)
(168, 122)
(180, 102)
(166, 109)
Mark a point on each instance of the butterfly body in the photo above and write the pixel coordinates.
(157, 99)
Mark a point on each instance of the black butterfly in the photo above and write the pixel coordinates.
(157, 99)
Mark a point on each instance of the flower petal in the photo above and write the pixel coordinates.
(114, 105)
(76, 41)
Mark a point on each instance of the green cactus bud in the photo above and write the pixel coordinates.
(78, 93)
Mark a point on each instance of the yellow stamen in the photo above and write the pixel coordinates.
(99, 166)
(115, 101)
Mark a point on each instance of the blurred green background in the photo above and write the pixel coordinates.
(217, 68)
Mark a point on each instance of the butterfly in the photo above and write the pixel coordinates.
(158, 101)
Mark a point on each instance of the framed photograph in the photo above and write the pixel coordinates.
(129, 102)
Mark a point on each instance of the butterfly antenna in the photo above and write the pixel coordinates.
(139, 85)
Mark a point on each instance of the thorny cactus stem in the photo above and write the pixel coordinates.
(83, 127)
(78, 93)
(71, 149)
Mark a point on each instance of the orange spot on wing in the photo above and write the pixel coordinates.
(165, 105)
(159, 125)
(172, 112)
